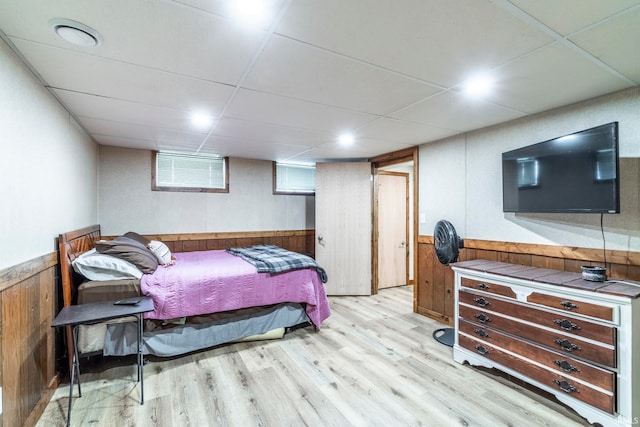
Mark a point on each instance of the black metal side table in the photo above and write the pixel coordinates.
(87, 314)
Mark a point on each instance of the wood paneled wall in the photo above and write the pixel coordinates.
(27, 341)
(302, 241)
(435, 282)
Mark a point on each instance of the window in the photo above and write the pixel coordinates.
(186, 172)
(294, 179)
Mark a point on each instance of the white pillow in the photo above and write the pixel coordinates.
(96, 266)
(161, 251)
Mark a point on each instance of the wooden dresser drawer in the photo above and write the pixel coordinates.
(560, 321)
(560, 362)
(591, 396)
(566, 304)
(487, 287)
(569, 345)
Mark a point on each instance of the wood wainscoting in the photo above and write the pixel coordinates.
(302, 241)
(27, 341)
(435, 282)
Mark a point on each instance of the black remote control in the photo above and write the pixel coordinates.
(127, 302)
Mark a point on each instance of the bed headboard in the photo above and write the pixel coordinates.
(71, 245)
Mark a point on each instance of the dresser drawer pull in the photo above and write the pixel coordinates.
(482, 318)
(566, 366)
(566, 345)
(480, 349)
(482, 333)
(483, 286)
(482, 302)
(565, 386)
(566, 325)
(568, 305)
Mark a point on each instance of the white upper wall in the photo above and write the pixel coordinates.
(461, 179)
(48, 166)
(126, 201)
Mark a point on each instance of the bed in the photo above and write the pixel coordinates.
(201, 299)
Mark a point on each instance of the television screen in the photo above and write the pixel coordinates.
(576, 173)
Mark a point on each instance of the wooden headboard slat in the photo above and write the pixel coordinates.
(71, 245)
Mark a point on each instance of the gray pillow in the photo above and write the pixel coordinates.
(137, 237)
(129, 250)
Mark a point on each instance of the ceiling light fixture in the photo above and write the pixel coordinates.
(251, 13)
(346, 139)
(75, 33)
(478, 86)
(201, 120)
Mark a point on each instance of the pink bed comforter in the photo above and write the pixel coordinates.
(213, 281)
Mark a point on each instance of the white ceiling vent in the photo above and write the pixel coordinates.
(75, 32)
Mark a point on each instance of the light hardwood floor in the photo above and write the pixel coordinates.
(373, 363)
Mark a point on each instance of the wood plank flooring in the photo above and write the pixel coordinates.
(373, 363)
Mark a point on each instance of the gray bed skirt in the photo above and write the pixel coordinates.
(120, 338)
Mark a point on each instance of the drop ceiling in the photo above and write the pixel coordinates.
(389, 72)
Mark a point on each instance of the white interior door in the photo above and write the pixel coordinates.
(393, 249)
(343, 226)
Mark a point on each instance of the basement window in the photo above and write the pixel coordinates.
(190, 173)
(294, 179)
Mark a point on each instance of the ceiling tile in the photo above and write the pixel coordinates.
(80, 72)
(373, 146)
(155, 135)
(124, 111)
(253, 131)
(296, 70)
(229, 146)
(142, 144)
(440, 42)
(612, 41)
(225, 9)
(552, 77)
(445, 110)
(269, 108)
(568, 16)
(402, 132)
(159, 34)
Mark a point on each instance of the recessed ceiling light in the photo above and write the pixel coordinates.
(201, 120)
(346, 139)
(478, 86)
(75, 32)
(251, 13)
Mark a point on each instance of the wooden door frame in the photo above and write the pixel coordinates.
(401, 156)
(376, 204)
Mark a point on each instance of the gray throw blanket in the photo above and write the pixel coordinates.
(274, 259)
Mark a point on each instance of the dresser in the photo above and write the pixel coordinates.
(576, 339)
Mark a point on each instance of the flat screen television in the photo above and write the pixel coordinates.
(576, 173)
